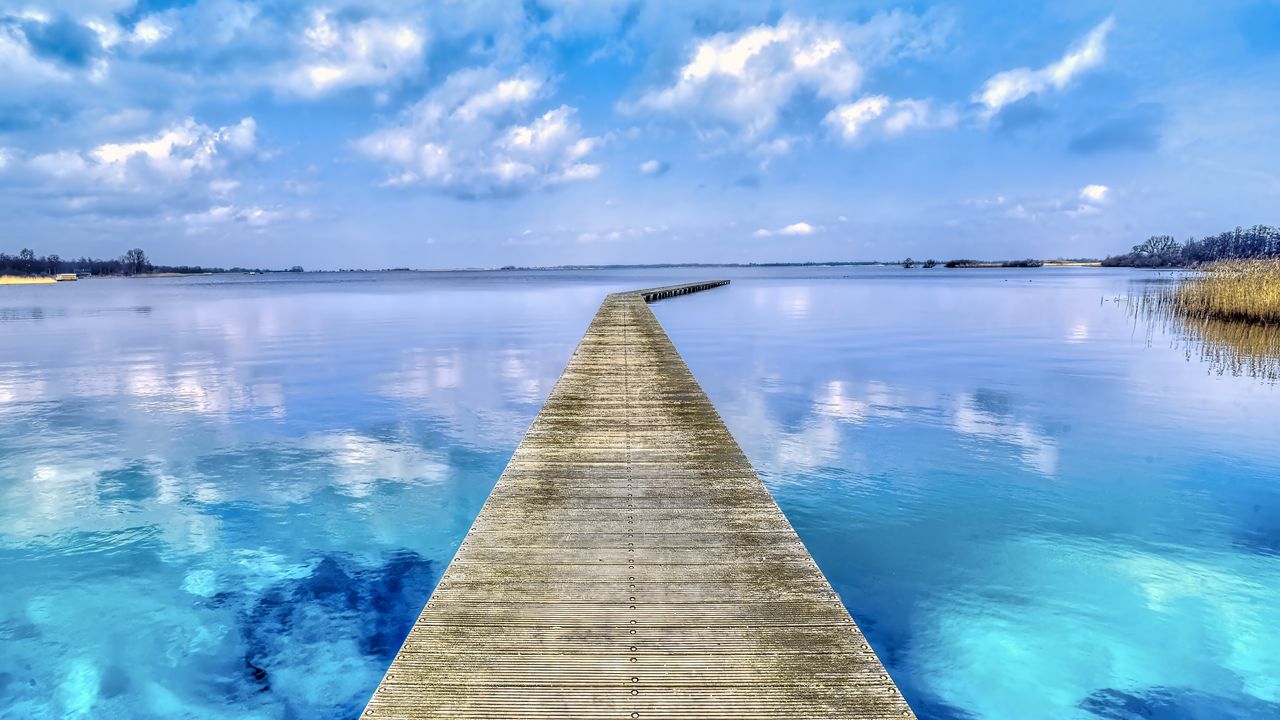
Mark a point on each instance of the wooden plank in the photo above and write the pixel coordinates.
(630, 564)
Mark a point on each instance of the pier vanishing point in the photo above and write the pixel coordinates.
(630, 564)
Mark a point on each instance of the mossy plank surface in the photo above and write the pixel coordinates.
(630, 564)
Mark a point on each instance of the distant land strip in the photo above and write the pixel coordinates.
(1158, 251)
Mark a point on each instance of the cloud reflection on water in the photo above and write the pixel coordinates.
(907, 424)
(182, 490)
(189, 496)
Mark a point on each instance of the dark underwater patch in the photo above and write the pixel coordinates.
(1259, 528)
(939, 710)
(114, 681)
(1161, 703)
(340, 600)
(135, 482)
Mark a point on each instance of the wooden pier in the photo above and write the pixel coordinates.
(629, 564)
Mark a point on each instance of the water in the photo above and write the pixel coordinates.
(229, 497)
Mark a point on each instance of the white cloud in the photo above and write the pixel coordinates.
(223, 186)
(654, 167)
(1095, 193)
(215, 214)
(797, 228)
(775, 148)
(150, 30)
(745, 78)
(1082, 210)
(850, 119)
(254, 216)
(1089, 200)
(469, 137)
(877, 115)
(621, 233)
(236, 48)
(742, 81)
(800, 228)
(108, 34)
(1010, 86)
(1092, 198)
(510, 93)
(175, 155)
(337, 55)
(98, 39)
(1020, 212)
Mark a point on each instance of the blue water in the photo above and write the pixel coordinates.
(230, 496)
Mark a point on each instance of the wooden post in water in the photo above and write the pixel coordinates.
(629, 564)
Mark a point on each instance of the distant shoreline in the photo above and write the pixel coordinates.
(969, 265)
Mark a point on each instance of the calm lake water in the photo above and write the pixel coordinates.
(229, 497)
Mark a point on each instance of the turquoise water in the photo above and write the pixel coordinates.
(229, 497)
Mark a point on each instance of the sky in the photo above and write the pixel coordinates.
(484, 133)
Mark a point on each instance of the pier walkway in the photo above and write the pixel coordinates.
(629, 564)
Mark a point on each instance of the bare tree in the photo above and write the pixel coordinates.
(135, 262)
(1157, 246)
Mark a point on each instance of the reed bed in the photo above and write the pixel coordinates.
(1236, 290)
(1220, 317)
(22, 280)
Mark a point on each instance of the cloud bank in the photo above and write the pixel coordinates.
(481, 134)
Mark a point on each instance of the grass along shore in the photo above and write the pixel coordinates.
(1240, 290)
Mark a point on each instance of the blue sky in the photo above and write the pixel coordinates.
(486, 133)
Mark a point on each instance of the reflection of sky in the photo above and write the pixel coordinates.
(1033, 511)
(230, 504)
(225, 498)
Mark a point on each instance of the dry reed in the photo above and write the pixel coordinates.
(1239, 290)
(22, 280)
(1222, 315)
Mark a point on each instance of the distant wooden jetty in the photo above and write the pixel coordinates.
(630, 564)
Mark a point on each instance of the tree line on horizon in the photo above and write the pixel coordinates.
(1254, 243)
(133, 262)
